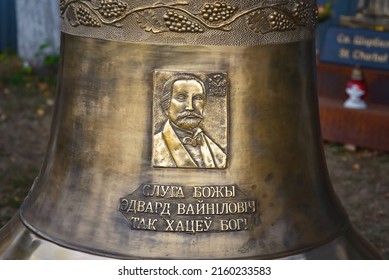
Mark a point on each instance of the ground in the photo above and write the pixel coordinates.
(359, 177)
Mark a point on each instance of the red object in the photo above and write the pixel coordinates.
(359, 83)
(367, 128)
(357, 80)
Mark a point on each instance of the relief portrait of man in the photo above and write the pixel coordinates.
(182, 143)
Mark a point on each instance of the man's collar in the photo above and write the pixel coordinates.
(187, 137)
(181, 133)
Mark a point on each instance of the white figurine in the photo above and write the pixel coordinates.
(355, 89)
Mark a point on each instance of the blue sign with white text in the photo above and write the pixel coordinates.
(366, 48)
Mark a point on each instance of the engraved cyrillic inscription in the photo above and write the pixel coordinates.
(141, 206)
(163, 191)
(190, 120)
(194, 209)
(214, 191)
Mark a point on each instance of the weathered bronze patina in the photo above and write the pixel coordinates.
(185, 130)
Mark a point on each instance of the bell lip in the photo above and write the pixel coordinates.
(308, 252)
(348, 245)
(18, 242)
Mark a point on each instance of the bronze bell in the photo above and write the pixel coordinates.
(185, 130)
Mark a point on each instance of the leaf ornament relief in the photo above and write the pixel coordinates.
(148, 21)
(264, 17)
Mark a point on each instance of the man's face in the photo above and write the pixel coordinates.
(187, 104)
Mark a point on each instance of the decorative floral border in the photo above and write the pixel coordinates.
(264, 17)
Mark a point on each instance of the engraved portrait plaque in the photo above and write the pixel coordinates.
(190, 120)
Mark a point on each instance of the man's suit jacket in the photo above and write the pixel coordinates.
(168, 151)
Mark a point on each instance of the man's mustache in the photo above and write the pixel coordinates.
(186, 114)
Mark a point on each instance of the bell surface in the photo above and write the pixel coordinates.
(185, 130)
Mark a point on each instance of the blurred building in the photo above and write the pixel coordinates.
(30, 27)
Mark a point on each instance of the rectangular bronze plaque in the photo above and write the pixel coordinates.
(190, 119)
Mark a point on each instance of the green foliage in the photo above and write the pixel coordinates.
(12, 71)
(5, 55)
(24, 88)
(49, 60)
(325, 11)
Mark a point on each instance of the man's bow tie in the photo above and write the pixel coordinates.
(196, 140)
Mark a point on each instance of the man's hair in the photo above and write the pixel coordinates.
(167, 89)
